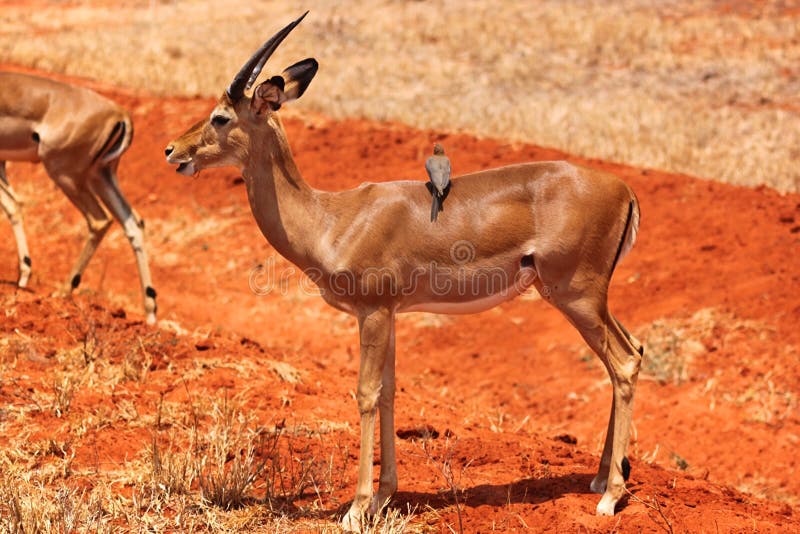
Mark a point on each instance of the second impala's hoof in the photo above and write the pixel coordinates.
(24, 275)
(62, 292)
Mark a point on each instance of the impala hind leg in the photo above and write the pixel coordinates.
(375, 330)
(105, 186)
(599, 482)
(97, 219)
(11, 206)
(622, 359)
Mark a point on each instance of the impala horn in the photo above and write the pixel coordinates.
(250, 71)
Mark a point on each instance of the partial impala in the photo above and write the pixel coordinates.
(374, 253)
(79, 137)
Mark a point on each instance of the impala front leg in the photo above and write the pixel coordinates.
(375, 329)
(388, 479)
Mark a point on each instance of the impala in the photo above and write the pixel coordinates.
(373, 253)
(79, 137)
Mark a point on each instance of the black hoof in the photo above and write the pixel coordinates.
(626, 468)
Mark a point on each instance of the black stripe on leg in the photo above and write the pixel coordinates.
(27, 260)
(76, 281)
(150, 292)
(626, 468)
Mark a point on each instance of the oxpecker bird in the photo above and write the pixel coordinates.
(438, 167)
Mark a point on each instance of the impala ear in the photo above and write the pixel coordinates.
(291, 85)
(298, 76)
(268, 96)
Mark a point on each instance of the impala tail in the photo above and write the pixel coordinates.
(630, 231)
(116, 142)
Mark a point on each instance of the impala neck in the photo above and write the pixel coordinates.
(283, 204)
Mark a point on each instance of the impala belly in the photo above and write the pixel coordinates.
(466, 303)
(463, 307)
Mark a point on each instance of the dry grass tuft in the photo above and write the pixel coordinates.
(672, 344)
(172, 471)
(683, 349)
(27, 507)
(229, 466)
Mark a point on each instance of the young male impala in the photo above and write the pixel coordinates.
(374, 252)
(79, 137)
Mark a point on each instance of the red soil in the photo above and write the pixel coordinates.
(512, 385)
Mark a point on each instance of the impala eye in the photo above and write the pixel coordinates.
(220, 120)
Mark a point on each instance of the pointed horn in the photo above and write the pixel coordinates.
(250, 71)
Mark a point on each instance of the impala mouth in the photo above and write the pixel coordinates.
(186, 168)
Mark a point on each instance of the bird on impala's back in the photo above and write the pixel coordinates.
(438, 167)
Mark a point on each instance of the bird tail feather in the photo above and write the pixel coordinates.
(435, 207)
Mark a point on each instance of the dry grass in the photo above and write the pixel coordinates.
(103, 446)
(695, 87)
(684, 349)
(673, 344)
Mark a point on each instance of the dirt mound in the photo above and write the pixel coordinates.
(95, 404)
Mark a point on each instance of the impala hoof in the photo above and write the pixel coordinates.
(24, 272)
(352, 521)
(606, 505)
(598, 484)
(23, 280)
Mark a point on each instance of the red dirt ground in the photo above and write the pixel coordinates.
(513, 386)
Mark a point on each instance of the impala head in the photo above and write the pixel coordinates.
(224, 137)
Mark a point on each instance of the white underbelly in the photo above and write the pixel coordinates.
(463, 307)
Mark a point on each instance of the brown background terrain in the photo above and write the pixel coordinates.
(106, 424)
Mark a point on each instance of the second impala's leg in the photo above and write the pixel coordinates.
(10, 205)
(97, 220)
(388, 479)
(105, 186)
(375, 330)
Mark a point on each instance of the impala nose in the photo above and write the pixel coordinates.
(169, 150)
